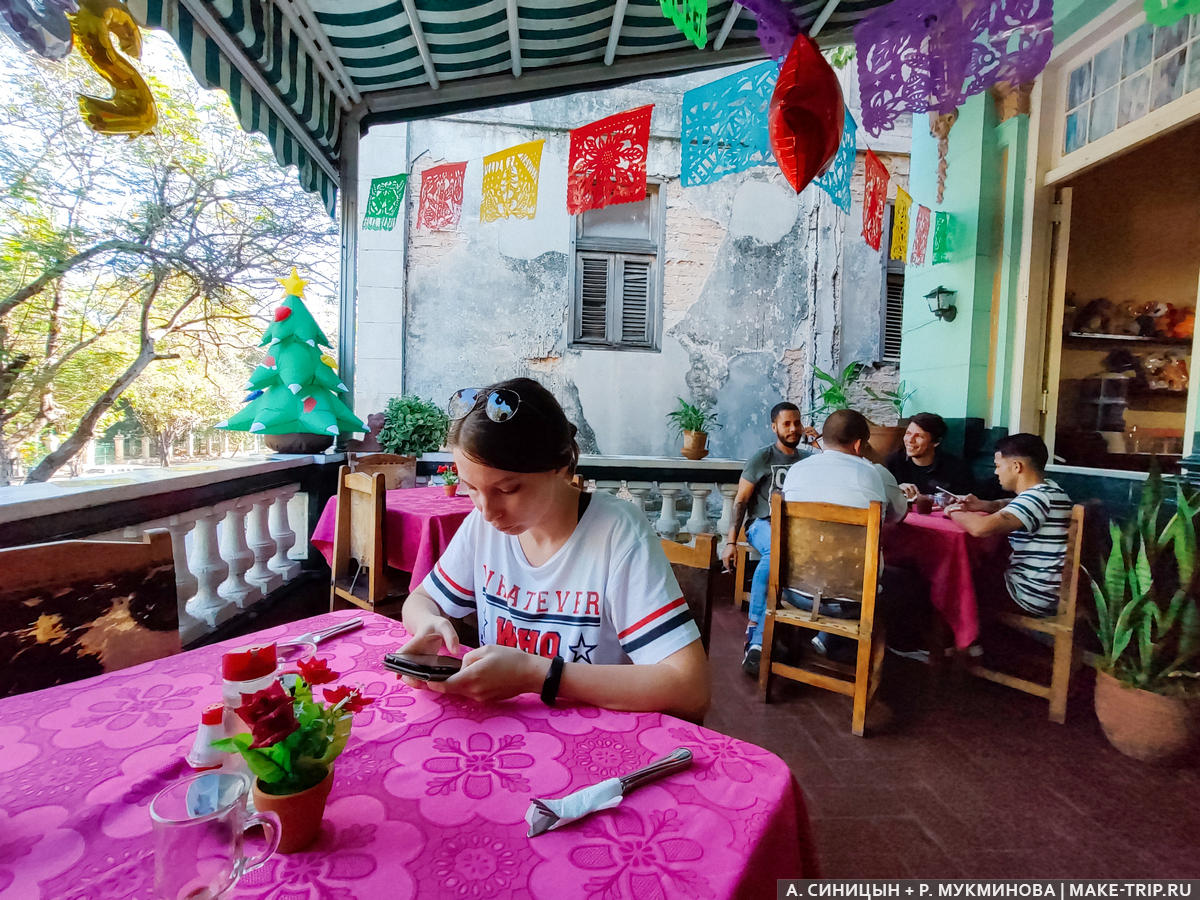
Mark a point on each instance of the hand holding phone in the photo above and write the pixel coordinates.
(425, 666)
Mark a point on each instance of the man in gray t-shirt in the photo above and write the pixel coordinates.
(761, 476)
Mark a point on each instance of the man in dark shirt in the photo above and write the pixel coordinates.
(761, 476)
(921, 467)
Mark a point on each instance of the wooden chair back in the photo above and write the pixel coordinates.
(696, 567)
(398, 471)
(360, 573)
(826, 551)
(74, 609)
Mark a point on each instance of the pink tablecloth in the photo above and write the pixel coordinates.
(418, 524)
(428, 798)
(956, 565)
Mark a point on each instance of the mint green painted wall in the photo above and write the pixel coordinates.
(1071, 15)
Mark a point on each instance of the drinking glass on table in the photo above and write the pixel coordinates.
(198, 829)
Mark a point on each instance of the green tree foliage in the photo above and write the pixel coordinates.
(176, 396)
(118, 254)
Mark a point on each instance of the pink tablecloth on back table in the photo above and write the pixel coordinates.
(418, 524)
(428, 798)
(955, 564)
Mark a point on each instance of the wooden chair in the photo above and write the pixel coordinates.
(826, 552)
(696, 566)
(743, 553)
(74, 609)
(360, 574)
(1060, 627)
(398, 471)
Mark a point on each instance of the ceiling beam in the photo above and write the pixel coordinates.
(414, 22)
(614, 33)
(313, 36)
(514, 37)
(201, 12)
(735, 9)
(822, 18)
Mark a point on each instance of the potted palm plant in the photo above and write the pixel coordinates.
(1148, 624)
(886, 438)
(693, 422)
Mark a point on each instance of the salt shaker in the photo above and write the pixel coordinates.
(203, 754)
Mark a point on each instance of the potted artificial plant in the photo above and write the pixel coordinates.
(1148, 623)
(887, 438)
(693, 422)
(412, 426)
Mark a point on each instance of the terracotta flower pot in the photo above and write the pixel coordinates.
(886, 439)
(1145, 725)
(450, 489)
(695, 444)
(299, 814)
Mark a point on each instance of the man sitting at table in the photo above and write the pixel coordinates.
(761, 476)
(1036, 522)
(922, 466)
(844, 475)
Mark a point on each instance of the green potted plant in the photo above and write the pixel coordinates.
(412, 426)
(693, 422)
(1148, 625)
(835, 392)
(887, 438)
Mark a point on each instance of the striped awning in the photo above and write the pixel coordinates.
(295, 68)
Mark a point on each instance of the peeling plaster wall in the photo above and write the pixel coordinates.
(755, 285)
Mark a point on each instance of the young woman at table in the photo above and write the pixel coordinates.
(569, 587)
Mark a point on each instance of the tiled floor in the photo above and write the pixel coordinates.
(968, 780)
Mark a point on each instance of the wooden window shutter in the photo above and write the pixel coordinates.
(635, 301)
(893, 317)
(593, 295)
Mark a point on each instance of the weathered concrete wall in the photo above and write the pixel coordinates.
(755, 285)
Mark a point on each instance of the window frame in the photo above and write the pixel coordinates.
(619, 249)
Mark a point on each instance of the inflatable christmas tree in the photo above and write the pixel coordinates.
(295, 388)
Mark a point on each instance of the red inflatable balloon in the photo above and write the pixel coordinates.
(807, 114)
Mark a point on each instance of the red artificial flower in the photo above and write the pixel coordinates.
(356, 703)
(442, 469)
(270, 715)
(316, 671)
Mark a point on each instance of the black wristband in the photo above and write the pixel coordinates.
(553, 677)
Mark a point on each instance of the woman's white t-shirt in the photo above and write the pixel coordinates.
(607, 596)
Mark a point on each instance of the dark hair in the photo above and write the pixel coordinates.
(785, 406)
(844, 427)
(1024, 446)
(538, 438)
(931, 422)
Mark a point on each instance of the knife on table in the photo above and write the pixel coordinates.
(546, 815)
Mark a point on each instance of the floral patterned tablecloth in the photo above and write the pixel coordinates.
(428, 799)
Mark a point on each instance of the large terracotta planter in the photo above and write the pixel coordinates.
(1147, 726)
(298, 442)
(886, 439)
(299, 814)
(695, 444)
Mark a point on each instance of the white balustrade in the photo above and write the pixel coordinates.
(210, 570)
(638, 491)
(237, 554)
(667, 524)
(283, 534)
(607, 487)
(262, 545)
(728, 493)
(698, 522)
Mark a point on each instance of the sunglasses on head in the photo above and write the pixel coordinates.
(499, 405)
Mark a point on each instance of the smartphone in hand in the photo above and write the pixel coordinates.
(426, 666)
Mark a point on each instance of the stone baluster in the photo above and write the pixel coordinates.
(262, 545)
(638, 491)
(667, 525)
(235, 551)
(608, 487)
(281, 531)
(186, 584)
(698, 522)
(209, 570)
(728, 493)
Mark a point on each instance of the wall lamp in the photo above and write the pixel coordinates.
(941, 303)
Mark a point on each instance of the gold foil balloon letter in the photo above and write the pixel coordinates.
(131, 108)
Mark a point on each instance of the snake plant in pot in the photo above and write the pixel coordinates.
(1148, 624)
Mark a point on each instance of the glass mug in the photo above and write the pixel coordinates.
(198, 829)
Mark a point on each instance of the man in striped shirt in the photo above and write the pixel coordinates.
(1036, 522)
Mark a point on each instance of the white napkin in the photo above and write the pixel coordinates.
(593, 798)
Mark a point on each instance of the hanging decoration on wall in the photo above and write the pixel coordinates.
(383, 202)
(922, 55)
(1167, 12)
(920, 237)
(291, 390)
(690, 17)
(725, 125)
(836, 180)
(899, 248)
(130, 110)
(607, 161)
(939, 127)
(875, 193)
(941, 238)
(510, 182)
(807, 114)
(777, 26)
(39, 25)
(439, 206)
